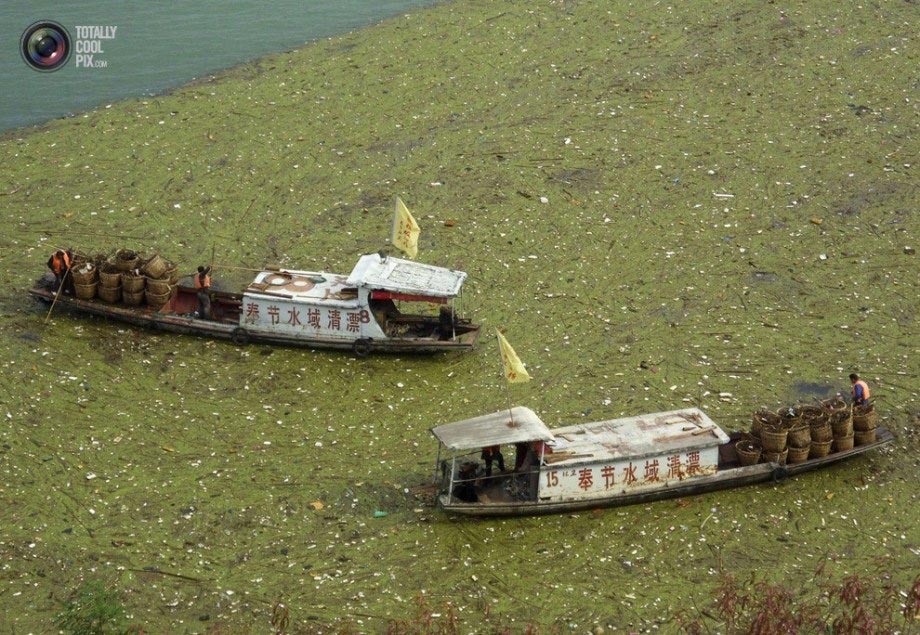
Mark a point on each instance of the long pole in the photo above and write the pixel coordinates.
(71, 232)
(58, 294)
(507, 389)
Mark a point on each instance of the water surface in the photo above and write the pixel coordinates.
(159, 45)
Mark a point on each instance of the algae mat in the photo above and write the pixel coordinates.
(663, 205)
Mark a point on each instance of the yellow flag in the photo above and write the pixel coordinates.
(405, 230)
(514, 369)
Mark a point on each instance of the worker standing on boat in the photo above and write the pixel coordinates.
(860, 390)
(203, 285)
(59, 263)
(489, 455)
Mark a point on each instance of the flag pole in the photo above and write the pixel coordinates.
(505, 382)
(395, 220)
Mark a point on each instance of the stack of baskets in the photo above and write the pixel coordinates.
(161, 276)
(799, 437)
(109, 283)
(127, 277)
(132, 287)
(821, 432)
(865, 421)
(797, 433)
(85, 276)
(773, 439)
(841, 420)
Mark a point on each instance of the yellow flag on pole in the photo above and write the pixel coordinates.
(514, 369)
(405, 230)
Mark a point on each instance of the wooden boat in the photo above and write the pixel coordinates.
(599, 464)
(358, 312)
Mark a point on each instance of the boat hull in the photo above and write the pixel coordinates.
(722, 479)
(147, 317)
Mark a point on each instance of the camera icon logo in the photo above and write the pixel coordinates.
(45, 46)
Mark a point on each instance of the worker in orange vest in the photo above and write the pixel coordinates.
(59, 263)
(203, 285)
(860, 390)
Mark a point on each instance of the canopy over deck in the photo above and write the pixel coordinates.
(518, 425)
(313, 287)
(635, 437)
(405, 276)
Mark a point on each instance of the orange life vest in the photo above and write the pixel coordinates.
(60, 263)
(202, 285)
(865, 389)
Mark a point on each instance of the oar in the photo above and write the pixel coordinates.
(57, 295)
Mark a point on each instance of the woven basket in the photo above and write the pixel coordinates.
(774, 457)
(110, 278)
(864, 409)
(763, 417)
(158, 285)
(863, 437)
(157, 300)
(773, 439)
(109, 294)
(821, 432)
(133, 298)
(85, 291)
(842, 425)
(798, 455)
(748, 452)
(132, 284)
(819, 449)
(790, 417)
(155, 267)
(835, 404)
(126, 260)
(865, 422)
(171, 273)
(84, 274)
(843, 443)
(799, 437)
(813, 414)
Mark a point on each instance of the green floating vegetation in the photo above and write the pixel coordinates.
(663, 205)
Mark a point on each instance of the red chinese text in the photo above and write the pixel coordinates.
(609, 473)
(629, 474)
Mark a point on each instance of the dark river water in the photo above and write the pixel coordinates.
(156, 45)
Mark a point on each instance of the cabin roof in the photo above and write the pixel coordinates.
(633, 437)
(405, 276)
(493, 429)
(316, 287)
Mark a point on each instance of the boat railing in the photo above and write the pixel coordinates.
(505, 474)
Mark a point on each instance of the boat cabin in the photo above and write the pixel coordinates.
(596, 460)
(362, 305)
